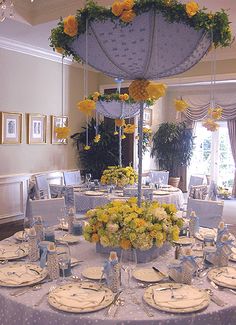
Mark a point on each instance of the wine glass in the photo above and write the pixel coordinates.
(26, 226)
(128, 262)
(88, 177)
(63, 252)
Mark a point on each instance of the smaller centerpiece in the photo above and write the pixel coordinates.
(123, 225)
(119, 176)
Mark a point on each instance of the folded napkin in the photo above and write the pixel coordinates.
(79, 298)
(10, 251)
(227, 277)
(18, 275)
(185, 297)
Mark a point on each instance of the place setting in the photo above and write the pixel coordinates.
(12, 251)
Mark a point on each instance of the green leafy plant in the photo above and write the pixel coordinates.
(101, 154)
(172, 146)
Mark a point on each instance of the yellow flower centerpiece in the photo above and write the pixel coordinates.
(125, 225)
(120, 176)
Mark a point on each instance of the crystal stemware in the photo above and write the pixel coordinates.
(64, 259)
(128, 262)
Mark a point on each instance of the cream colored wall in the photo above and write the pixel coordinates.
(33, 85)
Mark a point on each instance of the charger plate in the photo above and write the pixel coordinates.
(21, 274)
(160, 192)
(75, 294)
(12, 251)
(93, 272)
(205, 231)
(21, 235)
(93, 193)
(147, 275)
(223, 276)
(185, 241)
(194, 298)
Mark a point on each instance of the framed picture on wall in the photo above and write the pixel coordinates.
(37, 129)
(147, 116)
(58, 121)
(11, 128)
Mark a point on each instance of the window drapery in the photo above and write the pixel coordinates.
(232, 137)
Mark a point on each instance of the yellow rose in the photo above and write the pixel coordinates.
(97, 138)
(125, 244)
(86, 148)
(156, 90)
(126, 97)
(180, 105)
(191, 8)
(123, 137)
(119, 122)
(95, 238)
(117, 8)
(62, 132)
(216, 113)
(127, 16)
(121, 97)
(70, 26)
(87, 106)
(210, 125)
(59, 50)
(128, 4)
(129, 129)
(116, 133)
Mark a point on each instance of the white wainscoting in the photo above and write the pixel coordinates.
(13, 196)
(14, 191)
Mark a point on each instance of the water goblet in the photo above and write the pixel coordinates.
(63, 252)
(128, 262)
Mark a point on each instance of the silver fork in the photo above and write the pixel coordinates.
(217, 287)
(140, 304)
(43, 296)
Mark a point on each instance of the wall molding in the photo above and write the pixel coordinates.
(24, 48)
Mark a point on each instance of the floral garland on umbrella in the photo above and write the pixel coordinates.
(125, 11)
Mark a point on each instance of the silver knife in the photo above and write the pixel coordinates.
(215, 298)
(116, 297)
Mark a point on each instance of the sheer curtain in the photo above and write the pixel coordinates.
(232, 137)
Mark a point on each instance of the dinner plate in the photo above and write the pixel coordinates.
(21, 274)
(12, 251)
(161, 193)
(205, 231)
(185, 241)
(21, 235)
(93, 272)
(223, 276)
(80, 297)
(233, 254)
(148, 275)
(63, 226)
(176, 298)
(70, 239)
(93, 193)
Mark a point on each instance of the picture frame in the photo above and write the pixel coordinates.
(11, 125)
(37, 128)
(147, 116)
(58, 121)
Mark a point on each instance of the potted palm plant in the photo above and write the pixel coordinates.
(172, 148)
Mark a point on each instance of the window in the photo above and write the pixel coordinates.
(212, 155)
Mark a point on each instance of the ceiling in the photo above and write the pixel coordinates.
(33, 22)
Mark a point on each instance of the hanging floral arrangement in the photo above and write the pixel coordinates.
(62, 132)
(180, 105)
(210, 123)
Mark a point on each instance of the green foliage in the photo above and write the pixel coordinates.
(102, 154)
(218, 22)
(116, 97)
(172, 146)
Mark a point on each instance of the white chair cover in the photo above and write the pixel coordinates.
(72, 178)
(63, 191)
(195, 180)
(159, 177)
(209, 212)
(198, 192)
(42, 187)
(49, 209)
(213, 191)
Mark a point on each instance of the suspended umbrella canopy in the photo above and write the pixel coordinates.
(161, 39)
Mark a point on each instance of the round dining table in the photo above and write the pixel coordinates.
(21, 310)
(85, 200)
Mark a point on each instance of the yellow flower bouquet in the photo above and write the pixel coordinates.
(119, 176)
(125, 225)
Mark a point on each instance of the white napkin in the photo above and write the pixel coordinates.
(10, 251)
(18, 275)
(185, 297)
(227, 277)
(79, 298)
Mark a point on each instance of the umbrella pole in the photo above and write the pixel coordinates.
(140, 153)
